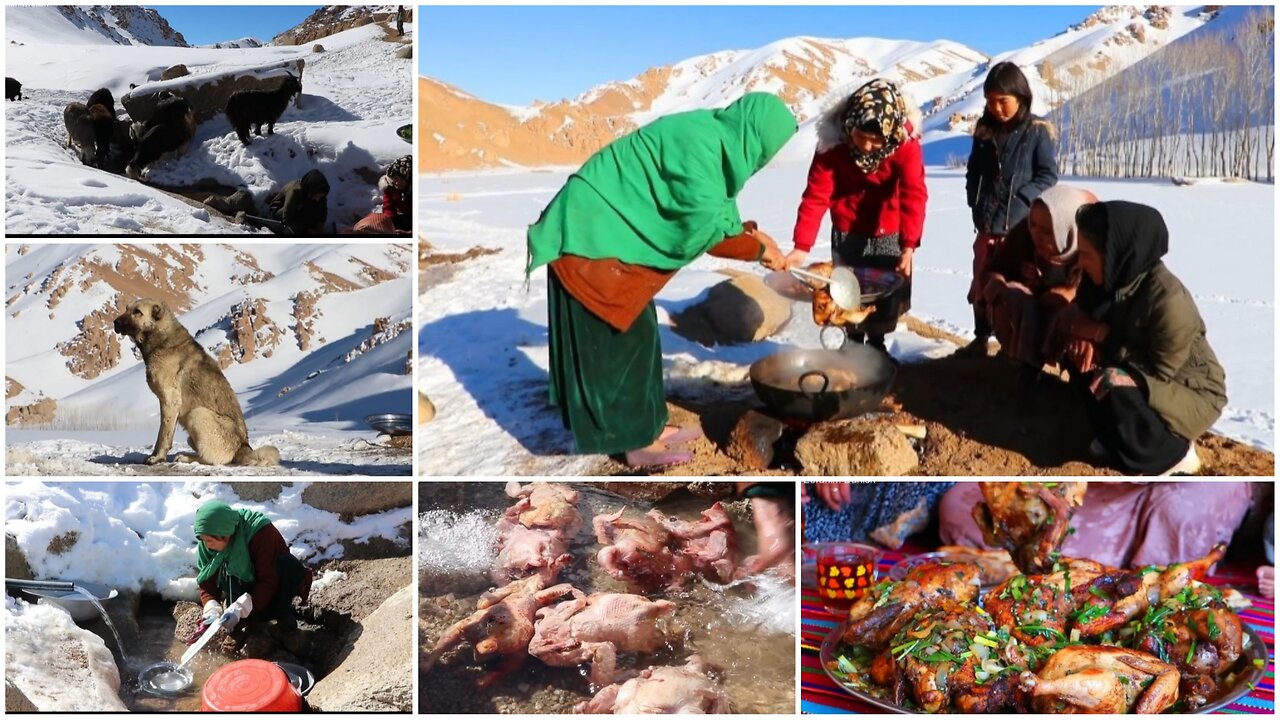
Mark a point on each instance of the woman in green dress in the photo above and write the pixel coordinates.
(638, 210)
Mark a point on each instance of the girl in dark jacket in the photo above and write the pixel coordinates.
(1013, 160)
(1138, 346)
(868, 172)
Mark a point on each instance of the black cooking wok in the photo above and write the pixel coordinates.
(817, 385)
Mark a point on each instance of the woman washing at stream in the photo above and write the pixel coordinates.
(637, 211)
(238, 552)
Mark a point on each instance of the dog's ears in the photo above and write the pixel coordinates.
(157, 311)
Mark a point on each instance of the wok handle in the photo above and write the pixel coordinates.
(826, 382)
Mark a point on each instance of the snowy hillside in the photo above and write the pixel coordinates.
(137, 536)
(942, 77)
(88, 25)
(313, 338)
(355, 94)
(483, 333)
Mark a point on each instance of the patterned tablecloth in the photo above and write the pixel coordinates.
(818, 694)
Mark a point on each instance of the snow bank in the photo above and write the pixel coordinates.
(137, 536)
(56, 664)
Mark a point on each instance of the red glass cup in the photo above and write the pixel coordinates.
(845, 572)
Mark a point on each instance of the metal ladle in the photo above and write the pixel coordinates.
(846, 292)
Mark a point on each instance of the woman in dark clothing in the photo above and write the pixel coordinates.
(868, 173)
(239, 552)
(302, 205)
(1013, 160)
(1152, 383)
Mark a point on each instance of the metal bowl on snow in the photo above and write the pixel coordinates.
(164, 679)
(391, 423)
(80, 607)
(817, 385)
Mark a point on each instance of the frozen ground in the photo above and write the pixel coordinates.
(483, 346)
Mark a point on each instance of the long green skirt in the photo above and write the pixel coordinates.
(607, 384)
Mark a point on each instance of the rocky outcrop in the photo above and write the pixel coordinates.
(251, 491)
(304, 315)
(350, 499)
(252, 334)
(12, 388)
(855, 448)
(57, 666)
(378, 674)
(15, 562)
(40, 412)
(335, 18)
(96, 348)
(174, 71)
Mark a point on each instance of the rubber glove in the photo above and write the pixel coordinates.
(212, 610)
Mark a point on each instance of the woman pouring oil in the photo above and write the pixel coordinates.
(240, 551)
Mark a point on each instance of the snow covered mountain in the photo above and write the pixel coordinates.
(244, 42)
(332, 19)
(89, 24)
(460, 131)
(304, 333)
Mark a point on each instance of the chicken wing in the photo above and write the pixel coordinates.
(883, 611)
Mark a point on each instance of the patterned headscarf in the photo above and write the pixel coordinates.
(401, 167)
(877, 104)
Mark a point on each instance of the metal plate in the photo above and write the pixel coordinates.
(148, 679)
(1250, 676)
(391, 423)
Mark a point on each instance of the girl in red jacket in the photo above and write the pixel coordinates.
(868, 171)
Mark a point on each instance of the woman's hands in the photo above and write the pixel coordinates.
(797, 258)
(771, 257)
(835, 494)
(1079, 354)
(904, 263)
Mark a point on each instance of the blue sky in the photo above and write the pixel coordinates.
(514, 55)
(205, 24)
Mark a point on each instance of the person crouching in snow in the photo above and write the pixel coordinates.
(396, 201)
(868, 171)
(302, 206)
(1031, 276)
(240, 551)
(1152, 384)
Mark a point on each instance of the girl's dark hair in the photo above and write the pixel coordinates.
(1091, 220)
(1006, 78)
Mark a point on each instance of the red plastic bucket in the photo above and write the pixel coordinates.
(250, 686)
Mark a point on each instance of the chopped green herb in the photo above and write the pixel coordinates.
(1148, 570)
(1042, 630)
(846, 667)
(1089, 613)
(1050, 484)
(986, 641)
(1098, 593)
(1191, 651)
(1071, 530)
(1124, 679)
(1147, 682)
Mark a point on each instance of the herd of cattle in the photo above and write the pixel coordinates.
(94, 127)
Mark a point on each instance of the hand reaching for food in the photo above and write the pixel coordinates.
(1028, 519)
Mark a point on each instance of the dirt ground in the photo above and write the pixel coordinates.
(978, 423)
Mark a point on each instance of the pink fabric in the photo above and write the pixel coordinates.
(1126, 524)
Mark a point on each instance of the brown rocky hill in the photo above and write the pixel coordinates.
(332, 19)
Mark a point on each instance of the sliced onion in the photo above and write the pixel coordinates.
(1075, 634)
(980, 675)
(982, 651)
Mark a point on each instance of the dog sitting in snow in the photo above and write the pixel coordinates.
(192, 391)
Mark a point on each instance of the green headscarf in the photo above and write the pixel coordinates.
(664, 194)
(219, 519)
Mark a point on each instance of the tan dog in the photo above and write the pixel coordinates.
(192, 391)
